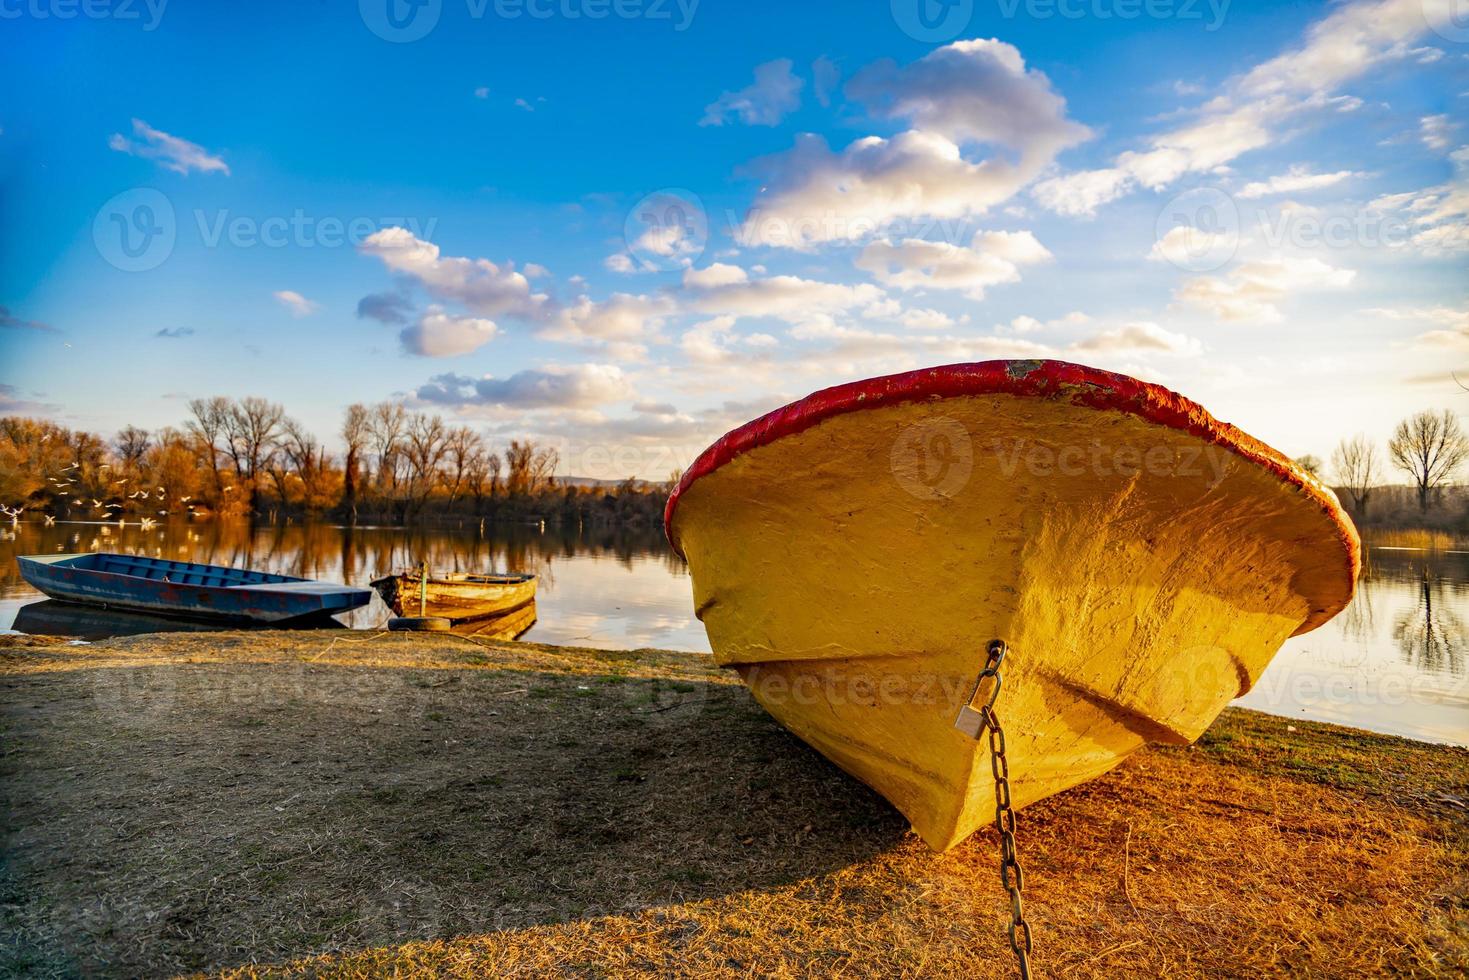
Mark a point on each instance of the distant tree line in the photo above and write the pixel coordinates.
(247, 457)
(1429, 448)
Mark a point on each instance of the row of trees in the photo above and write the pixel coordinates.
(247, 457)
(1430, 448)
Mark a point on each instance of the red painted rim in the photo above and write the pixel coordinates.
(1077, 383)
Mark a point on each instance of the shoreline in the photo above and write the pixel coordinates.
(345, 803)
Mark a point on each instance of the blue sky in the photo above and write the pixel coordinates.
(625, 234)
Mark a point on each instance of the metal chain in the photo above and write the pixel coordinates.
(1011, 875)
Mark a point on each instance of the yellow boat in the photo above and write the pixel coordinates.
(459, 597)
(854, 554)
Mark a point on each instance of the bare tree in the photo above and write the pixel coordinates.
(208, 426)
(425, 444)
(1357, 468)
(355, 432)
(132, 445)
(385, 426)
(1430, 447)
(1311, 464)
(463, 445)
(252, 426)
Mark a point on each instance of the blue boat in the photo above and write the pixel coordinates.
(186, 589)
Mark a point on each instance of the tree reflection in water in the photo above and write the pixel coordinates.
(1429, 634)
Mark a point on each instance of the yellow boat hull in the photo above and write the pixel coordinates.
(853, 554)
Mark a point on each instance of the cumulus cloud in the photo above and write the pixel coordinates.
(1254, 106)
(568, 387)
(959, 99)
(1252, 290)
(722, 289)
(172, 152)
(928, 321)
(1138, 337)
(297, 304)
(991, 258)
(440, 334)
(825, 75)
(622, 323)
(482, 286)
(1296, 180)
(775, 92)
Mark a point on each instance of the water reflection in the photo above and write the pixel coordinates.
(1430, 634)
(1394, 661)
(618, 588)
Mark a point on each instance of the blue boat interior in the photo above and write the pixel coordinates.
(176, 572)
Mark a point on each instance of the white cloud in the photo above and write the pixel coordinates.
(824, 78)
(620, 262)
(1138, 337)
(174, 153)
(1435, 131)
(298, 305)
(482, 92)
(1451, 326)
(722, 289)
(964, 94)
(578, 386)
(440, 334)
(775, 92)
(928, 321)
(1342, 46)
(623, 323)
(1251, 290)
(992, 257)
(479, 284)
(1297, 179)
(1183, 245)
(1437, 217)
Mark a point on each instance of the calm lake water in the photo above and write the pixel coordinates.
(1395, 661)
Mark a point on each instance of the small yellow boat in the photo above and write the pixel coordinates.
(459, 597)
(854, 554)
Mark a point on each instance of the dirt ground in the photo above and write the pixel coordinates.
(354, 805)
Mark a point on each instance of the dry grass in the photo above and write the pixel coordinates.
(1419, 538)
(253, 805)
